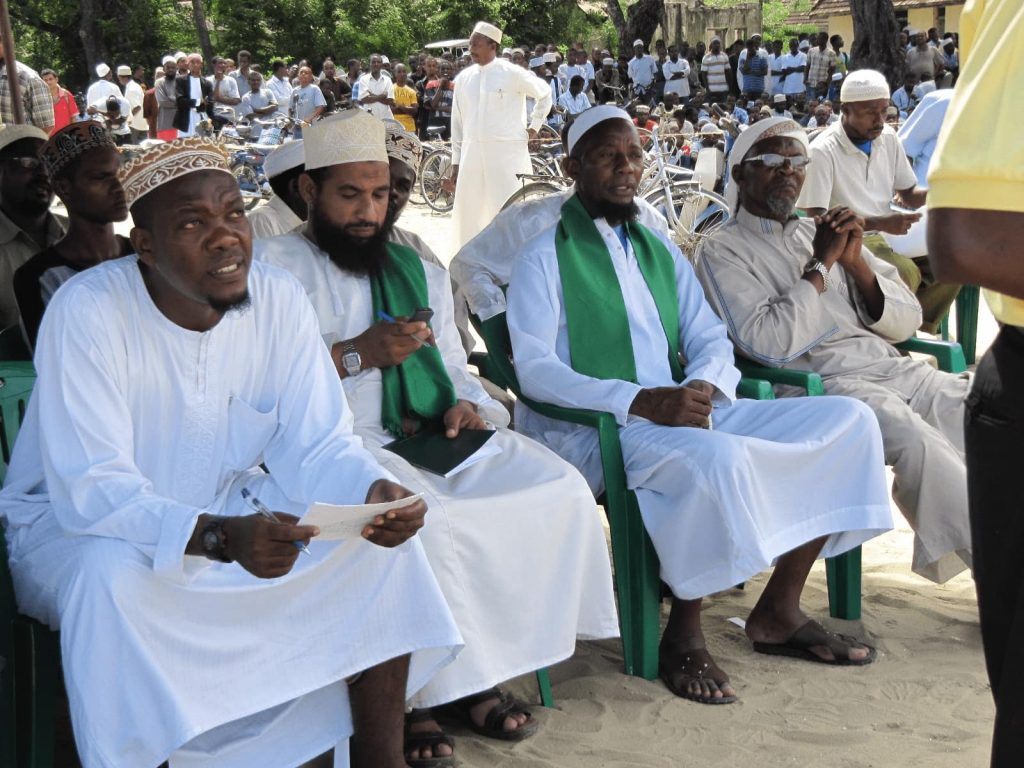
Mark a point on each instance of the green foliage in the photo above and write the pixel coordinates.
(49, 33)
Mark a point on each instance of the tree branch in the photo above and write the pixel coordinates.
(33, 20)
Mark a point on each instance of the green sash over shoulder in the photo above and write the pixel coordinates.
(420, 387)
(600, 344)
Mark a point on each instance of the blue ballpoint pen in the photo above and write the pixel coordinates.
(382, 315)
(260, 507)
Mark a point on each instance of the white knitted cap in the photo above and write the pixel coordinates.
(864, 85)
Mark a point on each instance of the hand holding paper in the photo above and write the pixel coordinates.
(391, 516)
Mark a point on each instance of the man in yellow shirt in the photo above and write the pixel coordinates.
(406, 103)
(978, 183)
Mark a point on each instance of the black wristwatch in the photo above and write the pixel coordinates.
(213, 540)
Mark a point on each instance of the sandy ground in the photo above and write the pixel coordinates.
(925, 702)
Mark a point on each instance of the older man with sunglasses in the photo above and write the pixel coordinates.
(805, 293)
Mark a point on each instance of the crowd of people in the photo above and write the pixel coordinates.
(216, 356)
(754, 78)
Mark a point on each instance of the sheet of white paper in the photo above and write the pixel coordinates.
(738, 622)
(488, 449)
(346, 521)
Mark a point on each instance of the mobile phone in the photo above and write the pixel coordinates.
(900, 209)
(422, 315)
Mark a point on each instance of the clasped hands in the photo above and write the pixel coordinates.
(839, 236)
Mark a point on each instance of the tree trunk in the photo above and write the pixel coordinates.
(199, 15)
(876, 40)
(91, 37)
(641, 20)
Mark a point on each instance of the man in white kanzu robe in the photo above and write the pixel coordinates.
(489, 140)
(756, 274)
(145, 425)
(781, 481)
(515, 541)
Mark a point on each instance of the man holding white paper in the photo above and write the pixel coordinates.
(515, 540)
(192, 632)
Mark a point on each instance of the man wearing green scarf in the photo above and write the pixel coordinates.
(515, 540)
(606, 315)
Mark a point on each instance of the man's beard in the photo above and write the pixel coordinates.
(358, 255)
(780, 207)
(616, 212)
(239, 304)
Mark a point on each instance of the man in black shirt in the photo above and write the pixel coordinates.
(82, 162)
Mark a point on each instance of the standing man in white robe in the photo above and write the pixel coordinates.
(515, 540)
(602, 313)
(489, 141)
(165, 379)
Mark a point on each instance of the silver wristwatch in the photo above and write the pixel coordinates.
(350, 359)
(817, 265)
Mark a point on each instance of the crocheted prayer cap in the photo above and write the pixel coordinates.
(73, 141)
(488, 30)
(165, 163)
(352, 136)
(402, 145)
(864, 85)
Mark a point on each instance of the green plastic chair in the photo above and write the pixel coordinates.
(844, 572)
(28, 681)
(637, 579)
(968, 303)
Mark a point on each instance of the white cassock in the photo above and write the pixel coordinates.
(777, 319)
(515, 541)
(484, 264)
(99, 91)
(489, 141)
(135, 427)
(272, 219)
(721, 504)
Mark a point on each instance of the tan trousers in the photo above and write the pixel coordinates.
(936, 298)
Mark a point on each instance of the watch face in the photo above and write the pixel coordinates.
(211, 541)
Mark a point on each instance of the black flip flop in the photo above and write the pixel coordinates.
(813, 634)
(494, 723)
(695, 671)
(420, 739)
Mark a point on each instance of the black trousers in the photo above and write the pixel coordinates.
(994, 433)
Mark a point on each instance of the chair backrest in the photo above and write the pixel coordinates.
(12, 344)
(500, 370)
(16, 381)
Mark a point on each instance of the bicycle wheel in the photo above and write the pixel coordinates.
(531, 191)
(436, 168)
(696, 212)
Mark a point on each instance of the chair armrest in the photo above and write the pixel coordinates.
(755, 389)
(948, 354)
(810, 382)
(595, 419)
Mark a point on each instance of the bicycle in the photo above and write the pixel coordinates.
(436, 171)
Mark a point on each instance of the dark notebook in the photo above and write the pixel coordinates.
(445, 456)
